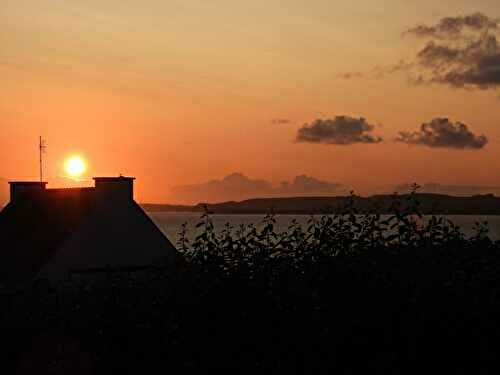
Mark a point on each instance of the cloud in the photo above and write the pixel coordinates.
(441, 132)
(454, 26)
(462, 52)
(238, 187)
(235, 186)
(379, 71)
(305, 185)
(342, 130)
(459, 190)
(280, 121)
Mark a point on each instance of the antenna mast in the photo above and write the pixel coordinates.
(41, 149)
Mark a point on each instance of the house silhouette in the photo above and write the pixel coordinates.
(48, 232)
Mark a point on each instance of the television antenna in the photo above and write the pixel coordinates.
(41, 149)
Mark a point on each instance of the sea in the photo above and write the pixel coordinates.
(171, 222)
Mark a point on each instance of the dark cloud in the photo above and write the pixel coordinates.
(454, 26)
(462, 52)
(381, 71)
(441, 132)
(342, 130)
(238, 187)
(280, 121)
(459, 190)
(435, 56)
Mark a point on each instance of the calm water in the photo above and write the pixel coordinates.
(170, 222)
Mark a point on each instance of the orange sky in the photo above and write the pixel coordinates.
(181, 92)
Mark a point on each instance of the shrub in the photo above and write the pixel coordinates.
(254, 248)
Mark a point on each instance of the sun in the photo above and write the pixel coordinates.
(75, 166)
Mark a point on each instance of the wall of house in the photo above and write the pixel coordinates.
(117, 235)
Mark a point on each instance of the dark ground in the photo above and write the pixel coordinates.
(380, 312)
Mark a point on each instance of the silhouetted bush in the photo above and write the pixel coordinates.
(248, 249)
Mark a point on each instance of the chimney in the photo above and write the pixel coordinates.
(26, 189)
(121, 188)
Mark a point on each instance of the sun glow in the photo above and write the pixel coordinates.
(75, 166)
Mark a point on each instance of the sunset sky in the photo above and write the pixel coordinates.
(181, 92)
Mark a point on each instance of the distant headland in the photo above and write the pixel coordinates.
(436, 204)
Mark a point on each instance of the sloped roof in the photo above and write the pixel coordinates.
(31, 230)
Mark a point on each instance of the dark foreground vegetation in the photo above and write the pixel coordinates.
(349, 294)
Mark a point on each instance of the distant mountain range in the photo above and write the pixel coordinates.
(237, 187)
(487, 204)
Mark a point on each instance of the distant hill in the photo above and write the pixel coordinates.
(429, 204)
(156, 207)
